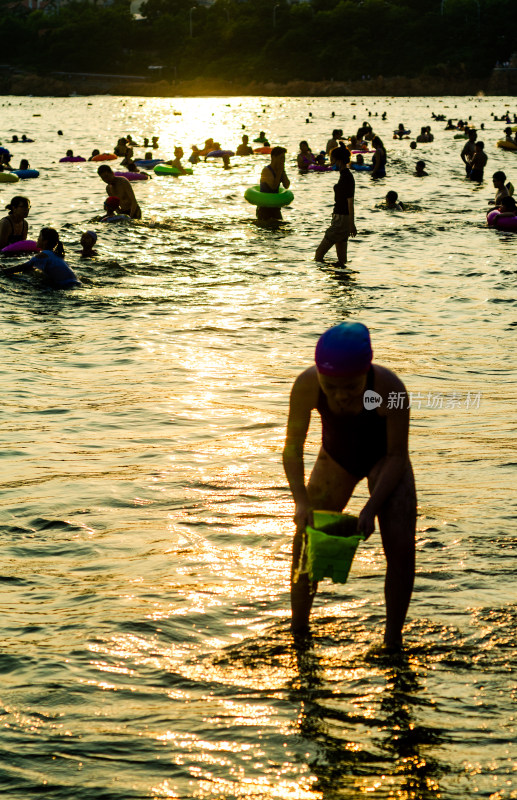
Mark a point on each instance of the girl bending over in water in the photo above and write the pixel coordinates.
(50, 262)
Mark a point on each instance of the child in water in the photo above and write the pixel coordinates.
(50, 262)
(113, 210)
(176, 161)
(358, 441)
(88, 240)
(507, 207)
(420, 169)
(194, 157)
(392, 202)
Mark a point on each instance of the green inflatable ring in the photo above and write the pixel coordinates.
(167, 169)
(331, 545)
(284, 197)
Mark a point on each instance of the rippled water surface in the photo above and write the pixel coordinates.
(146, 520)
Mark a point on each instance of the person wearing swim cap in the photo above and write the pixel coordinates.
(113, 210)
(362, 437)
(88, 240)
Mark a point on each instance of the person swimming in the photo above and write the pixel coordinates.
(176, 162)
(305, 157)
(359, 440)
(113, 210)
(88, 241)
(49, 262)
(14, 227)
(420, 169)
(195, 156)
(392, 201)
(507, 207)
(244, 149)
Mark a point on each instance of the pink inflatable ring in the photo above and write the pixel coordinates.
(495, 220)
(133, 176)
(71, 158)
(320, 167)
(25, 246)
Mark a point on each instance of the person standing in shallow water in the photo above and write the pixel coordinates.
(271, 177)
(342, 225)
(120, 187)
(357, 443)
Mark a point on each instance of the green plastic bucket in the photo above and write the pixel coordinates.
(331, 545)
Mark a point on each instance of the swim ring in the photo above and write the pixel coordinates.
(401, 133)
(504, 145)
(26, 173)
(262, 151)
(8, 177)
(117, 218)
(219, 153)
(104, 157)
(461, 136)
(25, 246)
(361, 167)
(168, 169)
(148, 163)
(283, 197)
(71, 159)
(495, 220)
(132, 176)
(320, 167)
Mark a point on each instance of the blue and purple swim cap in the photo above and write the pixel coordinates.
(344, 351)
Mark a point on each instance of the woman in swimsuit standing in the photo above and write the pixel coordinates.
(14, 227)
(364, 412)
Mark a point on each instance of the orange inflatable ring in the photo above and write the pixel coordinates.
(104, 157)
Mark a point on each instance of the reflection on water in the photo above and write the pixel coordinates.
(146, 521)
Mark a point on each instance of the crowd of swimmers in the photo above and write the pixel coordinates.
(338, 153)
(357, 442)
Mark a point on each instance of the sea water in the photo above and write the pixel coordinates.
(146, 520)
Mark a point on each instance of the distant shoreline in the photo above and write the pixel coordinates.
(37, 85)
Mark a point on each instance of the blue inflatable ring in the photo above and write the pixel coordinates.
(26, 173)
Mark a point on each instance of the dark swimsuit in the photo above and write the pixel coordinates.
(265, 187)
(355, 441)
(381, 172)
(17, 237)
